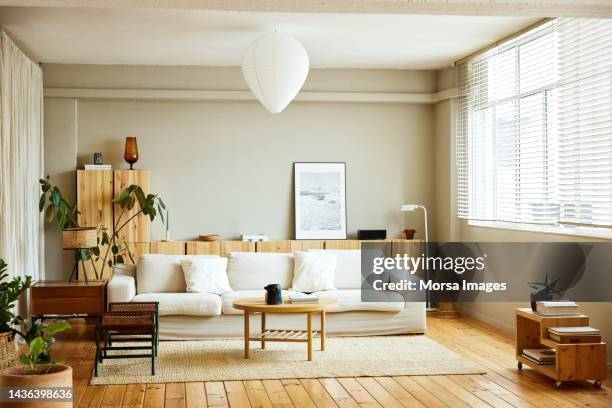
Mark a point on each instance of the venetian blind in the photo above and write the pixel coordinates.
(534, 131)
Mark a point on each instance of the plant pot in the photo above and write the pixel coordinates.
(57, 375)
(540, 297)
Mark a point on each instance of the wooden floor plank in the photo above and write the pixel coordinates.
(340, 396)
(134, 396)
(113, 395)
(398, 392)
(175, 395)
(460, 392)
(154, 396)
(278, 395)
(358, 393)
(257, 394)
(376, 390)
(297, 393)
(440, 392)
(215, 394)
(195, 395)
(317, 393)
(92, 396)
(423, 395)
(236, 394)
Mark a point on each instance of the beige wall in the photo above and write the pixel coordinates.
(226, 167)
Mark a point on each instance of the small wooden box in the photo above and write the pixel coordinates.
(68, 298)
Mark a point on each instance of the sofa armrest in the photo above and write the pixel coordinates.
(121, 288)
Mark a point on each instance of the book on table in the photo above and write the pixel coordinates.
(557, 308)
(578, 334)
(540, 356)
(299, 297)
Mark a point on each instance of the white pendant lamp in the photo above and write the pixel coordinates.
(275, 67)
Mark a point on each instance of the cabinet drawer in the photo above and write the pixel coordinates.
(46, 292)
(75, 305)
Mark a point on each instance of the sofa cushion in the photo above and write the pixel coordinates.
(228, 299)
(349, 300)
(314, 271)
(348, 267)
(207, 275)
(162, 273)
(191, 304)
(254, 270)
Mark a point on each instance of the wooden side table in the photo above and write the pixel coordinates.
(573, 362)
(259, 305)
(68, 299)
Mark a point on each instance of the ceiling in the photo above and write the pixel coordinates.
(218, 38)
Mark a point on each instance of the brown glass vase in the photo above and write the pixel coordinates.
(131, 151)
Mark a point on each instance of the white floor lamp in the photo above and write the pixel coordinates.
(410, 208)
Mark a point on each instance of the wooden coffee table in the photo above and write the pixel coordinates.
(258, 305)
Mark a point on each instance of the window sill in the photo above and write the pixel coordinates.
(586, 232)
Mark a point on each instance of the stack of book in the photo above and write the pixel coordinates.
(303, 298)
(557, 308)
(574, 335)
(98, 167)
(540, 356)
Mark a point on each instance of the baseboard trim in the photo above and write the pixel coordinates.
(209, 95)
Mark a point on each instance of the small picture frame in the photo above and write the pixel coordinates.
(320, 200)
(97, 158)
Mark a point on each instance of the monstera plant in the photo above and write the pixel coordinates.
(109, 247)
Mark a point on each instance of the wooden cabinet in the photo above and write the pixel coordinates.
(68, 298)
(95, 192)
(139, 228)
(203, 248)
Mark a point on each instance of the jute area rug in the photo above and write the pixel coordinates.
(221, 360)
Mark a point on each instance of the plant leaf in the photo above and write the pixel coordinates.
(56, 197)
(49, 213)
(41, 203)
(55, 328)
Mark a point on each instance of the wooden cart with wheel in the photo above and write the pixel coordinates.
(573, 362)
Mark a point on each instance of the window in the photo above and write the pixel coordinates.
(534, 131)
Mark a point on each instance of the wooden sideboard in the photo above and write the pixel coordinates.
(68, 298)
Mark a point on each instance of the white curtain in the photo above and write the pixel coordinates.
(21, 161)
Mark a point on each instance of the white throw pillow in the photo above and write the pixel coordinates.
(206, 275)
(314, 271)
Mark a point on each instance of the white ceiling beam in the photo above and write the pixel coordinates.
(529, 8)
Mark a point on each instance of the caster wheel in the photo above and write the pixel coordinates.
(598, 383)
(558, 384)
(520, 365)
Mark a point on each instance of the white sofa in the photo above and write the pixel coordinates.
(186, 316)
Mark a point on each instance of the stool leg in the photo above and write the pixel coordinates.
(97, 351)
(153, 353)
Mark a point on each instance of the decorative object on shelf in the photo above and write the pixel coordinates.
(371, 234)
(255, 237)
(414, 207)
(320, 200)
(275, 67)
(98, 158)
(209, 237)
(167, 225)
(131, 151)
(38, 369)
(274, 294)
(409, 233)
(97, 167)
(10, 291)
(542, 291)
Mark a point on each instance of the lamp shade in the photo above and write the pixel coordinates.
(79, 238)
(275, 67)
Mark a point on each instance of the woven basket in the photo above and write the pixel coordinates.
(8, 350)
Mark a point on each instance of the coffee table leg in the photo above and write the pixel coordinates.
(263, 330)
(322, 330)
(247, 334)
(309, 328)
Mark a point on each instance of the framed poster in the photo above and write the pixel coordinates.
(320, 200)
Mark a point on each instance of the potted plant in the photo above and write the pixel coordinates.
(10, 290)
(38, 370)
(543, 291)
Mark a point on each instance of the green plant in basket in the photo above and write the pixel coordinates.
(10, 290)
